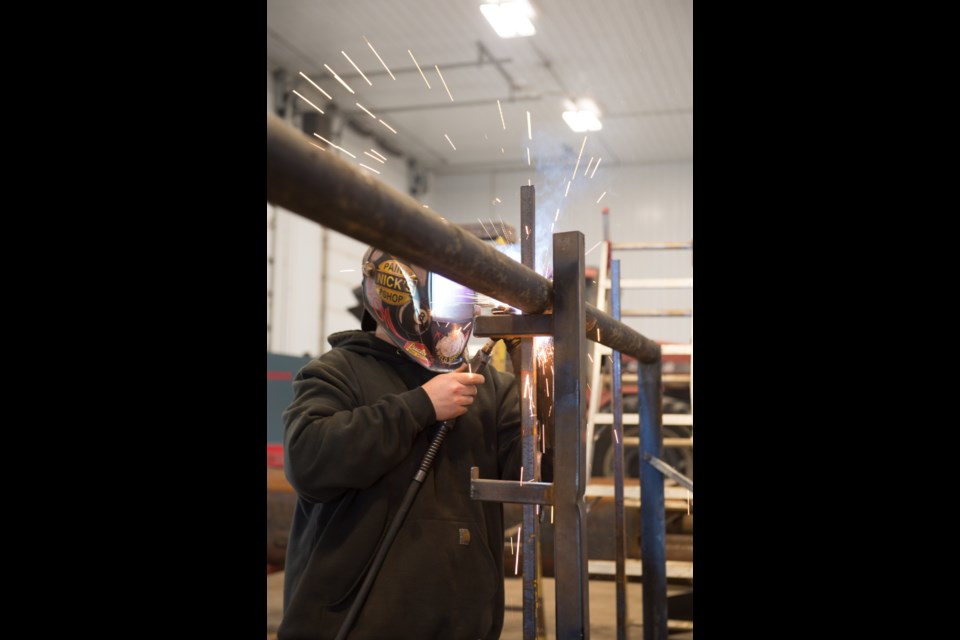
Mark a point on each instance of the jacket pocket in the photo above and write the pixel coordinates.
(439, 579)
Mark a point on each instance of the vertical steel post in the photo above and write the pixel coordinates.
(570, 531)
(619, 514)
(528, 380)
(652, 515)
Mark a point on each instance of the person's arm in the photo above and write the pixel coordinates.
(333, 443)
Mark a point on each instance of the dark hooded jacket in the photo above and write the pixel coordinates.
(355, 435)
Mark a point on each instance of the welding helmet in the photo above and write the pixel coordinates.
(427, 316)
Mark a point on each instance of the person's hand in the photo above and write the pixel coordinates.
(451, 393)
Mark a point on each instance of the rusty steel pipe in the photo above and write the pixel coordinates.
(324, 188)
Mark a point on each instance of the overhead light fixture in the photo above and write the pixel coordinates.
(582, 116)
(510, 18)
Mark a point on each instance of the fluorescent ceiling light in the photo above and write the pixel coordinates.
(509, 19)
(582, 116)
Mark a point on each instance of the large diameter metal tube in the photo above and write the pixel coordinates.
(334, 193)
(322, 187)
(603, 328)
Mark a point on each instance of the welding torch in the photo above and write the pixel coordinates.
(477, 364)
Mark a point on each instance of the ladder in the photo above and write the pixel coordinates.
(676, 497)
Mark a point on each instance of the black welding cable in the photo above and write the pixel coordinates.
(477, 364)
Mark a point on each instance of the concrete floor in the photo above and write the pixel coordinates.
(603, 609)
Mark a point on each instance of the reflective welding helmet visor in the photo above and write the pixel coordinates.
(427, 316)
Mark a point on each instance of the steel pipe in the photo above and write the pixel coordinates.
(669, 471)
(324, 188)
(652, 506)
(532, 600)
(618, 507)
(620, 246)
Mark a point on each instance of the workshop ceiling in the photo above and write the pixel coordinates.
(633, 58)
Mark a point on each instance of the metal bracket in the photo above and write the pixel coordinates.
(514, 326)
(509, 490)
(669, 471)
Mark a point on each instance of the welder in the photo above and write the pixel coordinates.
(361, 421)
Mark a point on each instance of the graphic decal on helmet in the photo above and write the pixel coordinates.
(426, 315)
(393, 282)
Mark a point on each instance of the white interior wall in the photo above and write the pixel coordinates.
(314, 271)
(646, 203)
(311, 271)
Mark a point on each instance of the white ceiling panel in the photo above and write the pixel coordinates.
(634, 58)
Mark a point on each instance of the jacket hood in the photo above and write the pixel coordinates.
(367, 343)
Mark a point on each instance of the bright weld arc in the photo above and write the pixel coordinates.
(595, 167)
(317, 86)
(422, 75)
(335, 146)
(516, 567)
(308, 102)
(379, 58)
(437, 67)
(356, 67)
(577, 166)
(338, 78)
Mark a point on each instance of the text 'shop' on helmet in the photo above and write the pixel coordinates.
(426, 315)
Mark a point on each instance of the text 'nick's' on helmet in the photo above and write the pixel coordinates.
(426, 315)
